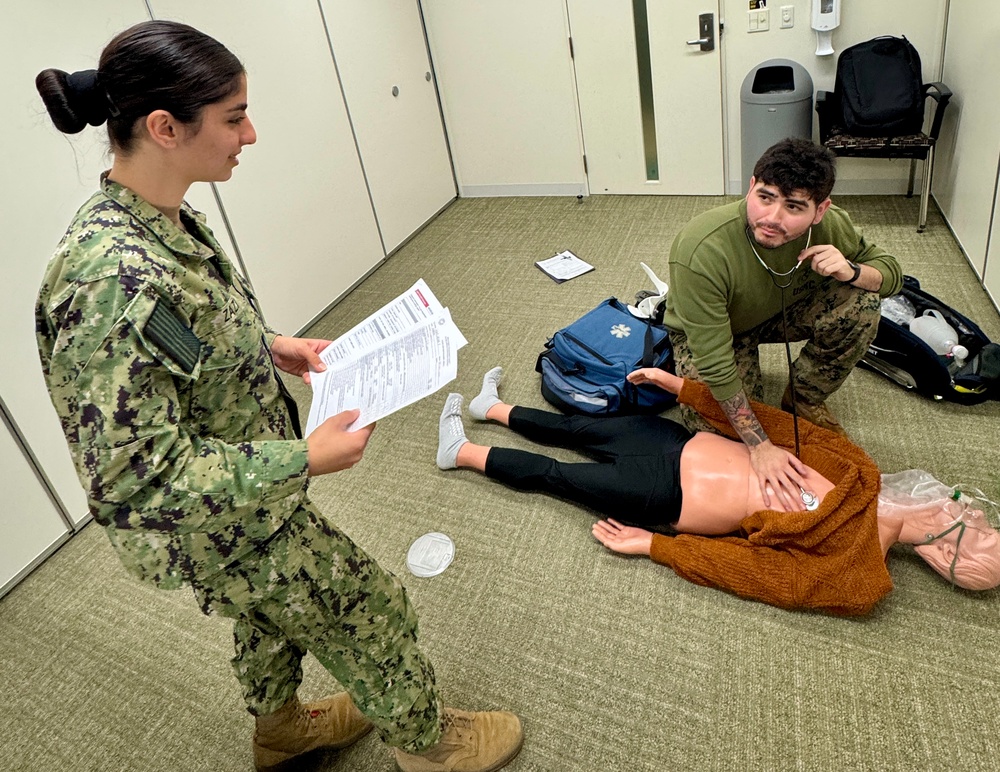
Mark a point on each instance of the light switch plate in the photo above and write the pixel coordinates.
(758, 21)
(787, 16)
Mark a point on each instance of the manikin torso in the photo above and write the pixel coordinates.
(720, 487)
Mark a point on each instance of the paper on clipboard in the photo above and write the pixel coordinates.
(564, 266)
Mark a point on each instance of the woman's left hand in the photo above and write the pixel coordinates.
(657, 377)
(297, 356)
(625, 539)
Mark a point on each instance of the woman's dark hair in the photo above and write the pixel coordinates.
(155, 65)
(798, 164)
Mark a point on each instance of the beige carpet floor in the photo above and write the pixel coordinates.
(615, 664)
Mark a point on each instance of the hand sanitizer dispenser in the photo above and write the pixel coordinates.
(825, 19)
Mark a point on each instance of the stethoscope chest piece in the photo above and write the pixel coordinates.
(809, 500)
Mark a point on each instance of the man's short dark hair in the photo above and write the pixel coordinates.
(798, 164)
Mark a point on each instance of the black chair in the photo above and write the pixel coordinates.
(913, 146)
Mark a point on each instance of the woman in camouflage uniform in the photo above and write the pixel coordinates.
(184, 437)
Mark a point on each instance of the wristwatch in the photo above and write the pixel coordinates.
(857, 273)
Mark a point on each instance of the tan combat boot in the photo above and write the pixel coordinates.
(470, 742)
(818, 414)
(295, 728)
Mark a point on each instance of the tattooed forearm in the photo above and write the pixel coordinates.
(744, 420)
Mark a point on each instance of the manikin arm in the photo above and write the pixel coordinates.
(733, 565)
(626, 539)
(772, 576)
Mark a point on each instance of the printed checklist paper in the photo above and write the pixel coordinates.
(564, 266)
(405, 351)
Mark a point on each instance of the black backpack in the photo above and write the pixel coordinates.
(880, 87)
(904, 358)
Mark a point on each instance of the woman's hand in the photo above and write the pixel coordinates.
(657, 377)
(331, 447)
(297, 356)
(625, 539)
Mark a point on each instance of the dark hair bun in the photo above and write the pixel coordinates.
(73, 100)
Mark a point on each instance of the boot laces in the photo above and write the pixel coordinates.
(462, 725)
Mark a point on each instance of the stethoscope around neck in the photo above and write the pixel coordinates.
(809, 500)
(775, 275)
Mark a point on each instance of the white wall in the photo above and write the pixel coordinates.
(991, 274)
(921, 21)
(384, 68)
(298, 202)
(31, 524)
(47, 176)
(965, 170)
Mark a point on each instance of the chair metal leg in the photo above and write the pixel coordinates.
(925, 192)
(913, 171)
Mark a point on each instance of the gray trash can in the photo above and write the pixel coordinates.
(775, 102)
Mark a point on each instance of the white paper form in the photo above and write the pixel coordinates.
(389, 374)
(564, 266)
(411, 308)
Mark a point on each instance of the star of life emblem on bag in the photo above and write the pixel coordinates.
(621, 331)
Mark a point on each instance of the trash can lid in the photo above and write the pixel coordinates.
(776, 81)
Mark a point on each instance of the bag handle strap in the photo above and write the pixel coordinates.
(648, 347)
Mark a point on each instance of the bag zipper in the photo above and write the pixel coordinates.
(589, 350)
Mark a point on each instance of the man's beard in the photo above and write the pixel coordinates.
(777, 238)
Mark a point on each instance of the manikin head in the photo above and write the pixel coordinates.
(953, 537)
(966, 551)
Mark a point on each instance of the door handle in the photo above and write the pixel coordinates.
(706, 32)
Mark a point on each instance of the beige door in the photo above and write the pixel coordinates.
(650, 102)
(381, 57)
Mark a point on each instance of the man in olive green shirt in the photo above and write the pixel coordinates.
(733, 267)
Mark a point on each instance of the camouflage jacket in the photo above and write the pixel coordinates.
(158, 365)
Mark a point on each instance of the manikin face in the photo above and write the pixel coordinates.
(209, 154)
(978, 565)
(775, 219)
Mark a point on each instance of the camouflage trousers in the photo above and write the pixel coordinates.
(312, 589)
(837, 322)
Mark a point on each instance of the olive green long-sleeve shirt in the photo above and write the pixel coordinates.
(719, 290)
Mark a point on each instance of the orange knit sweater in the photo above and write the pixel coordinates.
(829, 559)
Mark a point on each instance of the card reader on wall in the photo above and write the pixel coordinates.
(825, 19)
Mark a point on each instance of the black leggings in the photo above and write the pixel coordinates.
(636, 475)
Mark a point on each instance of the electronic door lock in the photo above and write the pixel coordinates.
(706, 32)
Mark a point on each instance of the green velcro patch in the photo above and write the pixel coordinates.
(173, 336)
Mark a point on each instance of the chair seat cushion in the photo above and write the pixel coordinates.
(917, 143)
